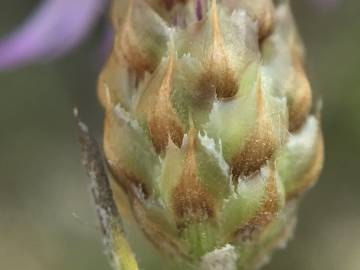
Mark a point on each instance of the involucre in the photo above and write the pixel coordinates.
(208, 137)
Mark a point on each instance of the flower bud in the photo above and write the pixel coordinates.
(208, 137)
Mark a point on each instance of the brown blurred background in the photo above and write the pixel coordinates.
(47, 219)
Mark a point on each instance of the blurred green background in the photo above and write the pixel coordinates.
(47, 219)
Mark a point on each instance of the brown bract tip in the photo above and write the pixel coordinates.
(130, 47)
(260, 144)
(163, 122)
(219, 76)
(267, 211)
(189, 199)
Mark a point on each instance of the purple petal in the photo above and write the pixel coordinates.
(54, 28)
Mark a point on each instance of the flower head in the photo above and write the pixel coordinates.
(209, 140)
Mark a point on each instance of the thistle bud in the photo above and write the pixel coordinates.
(208, 138)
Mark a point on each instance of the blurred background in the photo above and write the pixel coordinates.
(47, 219)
